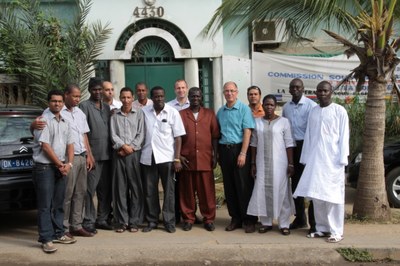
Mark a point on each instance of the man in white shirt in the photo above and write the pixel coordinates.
(160, 159)
(141, 94)
(108, 96)
(325, 152)
(181, 91)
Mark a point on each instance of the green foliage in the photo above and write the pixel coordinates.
(356, 112)
(355, 255)
(46, 52)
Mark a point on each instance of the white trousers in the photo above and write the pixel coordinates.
(329, 217)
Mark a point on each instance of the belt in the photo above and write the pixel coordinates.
(83, 154)
(231, 146)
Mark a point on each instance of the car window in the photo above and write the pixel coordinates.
(12, 128)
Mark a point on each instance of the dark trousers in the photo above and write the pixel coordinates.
(238, 183)
(100, 182)
(50, 191)
(127, 190)
(152, 174)
(299, 201)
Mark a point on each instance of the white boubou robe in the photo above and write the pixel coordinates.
(324, 154)
(272, 186)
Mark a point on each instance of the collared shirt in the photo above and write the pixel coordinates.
(137, 104)
(79, 126)
(298, 115)
(115, 104)
(57, 134)
(232, 121)
(177, 105)
(197, 143)
(258, 111)
(127, 129)
(161, 130)
(99, 135)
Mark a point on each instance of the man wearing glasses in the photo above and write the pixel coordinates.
(236, 122)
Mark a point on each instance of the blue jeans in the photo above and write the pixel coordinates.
(50, 191)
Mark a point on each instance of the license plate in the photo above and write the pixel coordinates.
(16, 163)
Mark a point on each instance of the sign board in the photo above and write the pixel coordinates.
(273, 73)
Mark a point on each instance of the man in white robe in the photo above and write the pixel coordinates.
(325, 152)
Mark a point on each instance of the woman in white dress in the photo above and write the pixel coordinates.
(271, 148)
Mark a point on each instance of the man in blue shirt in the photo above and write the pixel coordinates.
(236, 123)
(297, 111)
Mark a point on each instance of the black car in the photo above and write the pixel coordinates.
(16, 142)
(391, 157)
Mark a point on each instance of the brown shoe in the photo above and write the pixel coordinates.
(233, 226)
(250, 228)
(81, 232)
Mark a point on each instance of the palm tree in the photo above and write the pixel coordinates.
(45, 52)
(371, 24)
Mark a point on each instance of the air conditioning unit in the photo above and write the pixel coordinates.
(269, 31)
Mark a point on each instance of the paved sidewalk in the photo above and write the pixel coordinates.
(18, 245)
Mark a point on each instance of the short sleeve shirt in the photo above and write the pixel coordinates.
(298, 115)
(57, 134)
(232, 122)
(161, 131)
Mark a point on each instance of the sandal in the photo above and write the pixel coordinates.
(133, 228)
(334, 239)
(318, 234)
(121, 229)
(285, 231)
(264, 228)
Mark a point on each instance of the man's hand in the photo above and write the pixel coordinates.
(177, 166)
(89, 162)
(127, 149)
(39, 123)
(184, 162)
(241, 160)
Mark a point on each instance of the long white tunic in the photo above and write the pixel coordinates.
(271, 186)
(324, 154)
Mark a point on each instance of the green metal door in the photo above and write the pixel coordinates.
(163, 75)
(153, 63)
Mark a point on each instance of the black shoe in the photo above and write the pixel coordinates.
(90, 229)
(149, 227)
(297, 225)
(187, 226)
(250, 228)
(233, 226)
(312, 230)
(170, 228)
(104, 226)
(209, 226)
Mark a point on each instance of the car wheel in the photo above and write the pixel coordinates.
(393, 187)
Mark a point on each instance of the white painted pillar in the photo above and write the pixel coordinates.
(192, 72)
(117, 76)
(218, 83)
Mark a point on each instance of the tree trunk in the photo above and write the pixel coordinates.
(371, 198)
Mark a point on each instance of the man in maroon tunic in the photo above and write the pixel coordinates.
(199, 158)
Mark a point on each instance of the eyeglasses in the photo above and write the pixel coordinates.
(230, 91)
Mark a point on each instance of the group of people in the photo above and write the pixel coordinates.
(119, 150)
(301, 154)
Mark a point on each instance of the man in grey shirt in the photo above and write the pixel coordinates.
(99, 179)
(127, 135)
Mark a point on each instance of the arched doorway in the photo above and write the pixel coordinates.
(153, 62)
